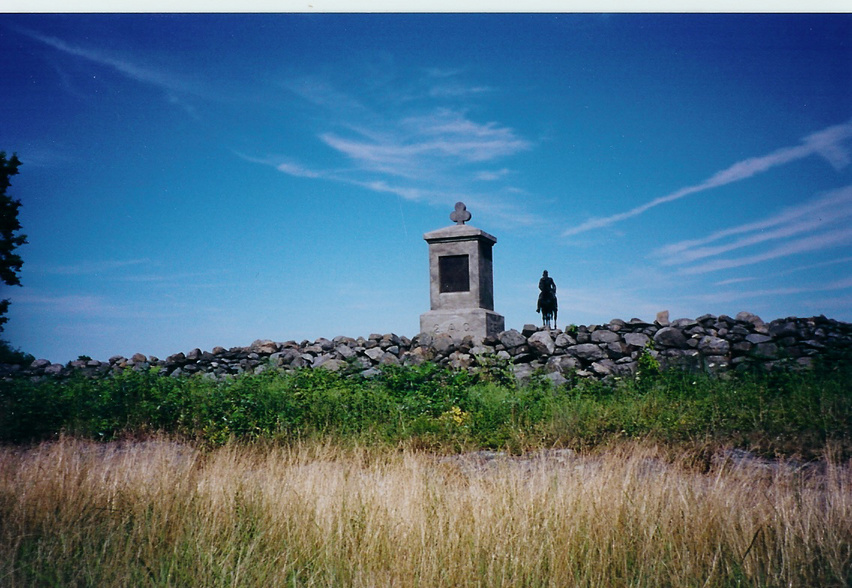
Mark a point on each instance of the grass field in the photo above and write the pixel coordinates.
(427, 477)
(163, 513)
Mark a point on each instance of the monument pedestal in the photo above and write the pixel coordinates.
(461, 289)
(476, 322)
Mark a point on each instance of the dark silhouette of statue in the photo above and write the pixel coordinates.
(547, 303)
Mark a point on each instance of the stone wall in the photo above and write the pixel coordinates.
(709, 343)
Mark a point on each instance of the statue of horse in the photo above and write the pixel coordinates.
(549, 310)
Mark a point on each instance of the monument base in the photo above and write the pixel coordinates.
(476, 322)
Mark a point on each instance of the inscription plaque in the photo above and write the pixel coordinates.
(454, 273)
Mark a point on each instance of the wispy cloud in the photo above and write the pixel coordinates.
(836, 238)
(64, 306)
(320, 92)
(284, 165)
(492, 175)
(830, 208)
(91, 267)
(294, 169)
(827, 143)
(735, 281)
(730, 295)
(792, 270)
(413, 194)
(811, 266)
(418, 142)
(457, 90)
(419, 147)
(129, 68)
(818, 215)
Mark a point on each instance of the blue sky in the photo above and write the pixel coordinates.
(202, 180)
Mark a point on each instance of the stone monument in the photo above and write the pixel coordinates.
(461, 281)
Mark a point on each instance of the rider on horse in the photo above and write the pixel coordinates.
(547, 296)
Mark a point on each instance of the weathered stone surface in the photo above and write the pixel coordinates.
(604, 367)
(417, 356)
(616, 325)
(562, 364)
(605, 336)
(344, 351)
(766, 350)
(443, 343)
(389, 359)
(331, 364)
(424, 340)
(542, 343)
(511, 338)
(587, 352)
(556, 379)
(177, 358)
(523, 372)
(374, 353)
(53, 369)
(636, 339)
(481, 350)
(670, 337)
(264, 346)
(741, 347)
(713, 346)
(460, 360)
(779, 329)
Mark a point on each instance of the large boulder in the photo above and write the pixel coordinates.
(562, 364)
(670, 337)
(709, 345)
(264, 346)
(444, 344)
(605, 336)
(511, 339)
(542, 343)
(564, 340)
(374, 353)
(636, 339)
(587, 352)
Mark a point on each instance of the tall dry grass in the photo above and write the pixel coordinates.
(160, 513)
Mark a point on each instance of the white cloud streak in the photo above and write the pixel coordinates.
(91, 267)
(297, 170)
(826, 240)
(826, 143)
(417, 154)
(491, 176)
(831, 209)
(730, 295)
(125, 67)
(443, 137)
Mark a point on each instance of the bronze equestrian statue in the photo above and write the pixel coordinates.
(547, 304)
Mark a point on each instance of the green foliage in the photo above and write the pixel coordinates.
(13, 356)
(433, 406)
(10, 262)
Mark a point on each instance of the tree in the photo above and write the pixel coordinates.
(10, 262)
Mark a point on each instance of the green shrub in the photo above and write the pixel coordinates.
(13, 356)
(788, 413)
